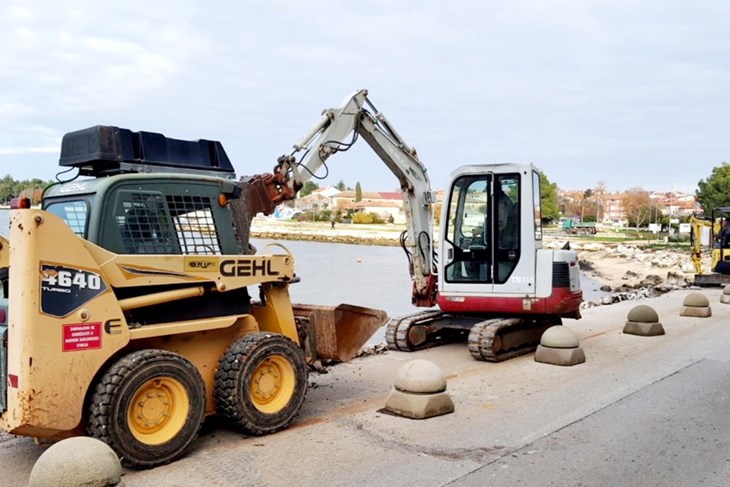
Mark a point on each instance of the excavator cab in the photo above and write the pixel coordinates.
(482, 232)
(493, 259)
(498, 288)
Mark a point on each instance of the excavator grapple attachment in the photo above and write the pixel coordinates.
(335, 333)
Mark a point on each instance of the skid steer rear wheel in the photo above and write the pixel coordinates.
(148, 407)
(261, 382)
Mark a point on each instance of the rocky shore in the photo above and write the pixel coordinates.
(632, 271)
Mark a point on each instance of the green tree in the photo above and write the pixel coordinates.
(308, 187)
(10, 188)
(341, 185)
(548, 199)
(358, 192)
(714, 191)
(7, 189)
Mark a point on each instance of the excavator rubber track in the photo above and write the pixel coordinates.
(499, 339)
(489, 340)
(425, 330)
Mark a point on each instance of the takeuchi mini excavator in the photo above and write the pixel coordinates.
(494, 283)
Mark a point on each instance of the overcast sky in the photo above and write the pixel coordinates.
(631, 93)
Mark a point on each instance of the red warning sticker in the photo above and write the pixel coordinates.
(84, 336)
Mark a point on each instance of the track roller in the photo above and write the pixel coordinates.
(499, 339)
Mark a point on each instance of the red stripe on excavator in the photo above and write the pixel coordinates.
(562, 301)
(13, 379)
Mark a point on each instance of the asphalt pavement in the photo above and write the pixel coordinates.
(641, 411)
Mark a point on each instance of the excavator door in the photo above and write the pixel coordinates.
(489, 233)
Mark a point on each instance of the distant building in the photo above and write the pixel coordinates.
(608, 207)
(385, 204)
(613, 209)
(385, 208)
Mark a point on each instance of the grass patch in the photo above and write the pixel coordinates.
(684, 246)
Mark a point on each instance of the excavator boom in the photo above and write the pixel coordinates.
(356, 117)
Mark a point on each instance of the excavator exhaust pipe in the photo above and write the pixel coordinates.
(336, 333)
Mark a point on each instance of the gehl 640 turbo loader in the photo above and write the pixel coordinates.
(129, 316)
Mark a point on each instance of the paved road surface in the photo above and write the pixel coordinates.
(643, 411)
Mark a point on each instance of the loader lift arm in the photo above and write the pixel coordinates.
(357, 116)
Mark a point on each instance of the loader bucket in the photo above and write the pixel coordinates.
(336, 333)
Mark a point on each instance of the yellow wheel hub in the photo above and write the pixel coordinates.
(158, 410)
(272, 384)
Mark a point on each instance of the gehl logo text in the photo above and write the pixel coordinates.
(247, 268)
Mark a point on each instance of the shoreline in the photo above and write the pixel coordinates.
(621, 266)
(345, 233)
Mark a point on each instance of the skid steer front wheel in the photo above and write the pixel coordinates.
(261, 382)
(148, 407)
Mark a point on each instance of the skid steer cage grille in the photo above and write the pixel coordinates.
(150, 223)
(3, 368)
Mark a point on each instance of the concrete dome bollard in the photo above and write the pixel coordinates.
(559, 346)
(76, 462)
(419, 391)
(643, 320)
(725, 298)
(696, 305)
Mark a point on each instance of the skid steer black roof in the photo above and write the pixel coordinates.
(106, 150)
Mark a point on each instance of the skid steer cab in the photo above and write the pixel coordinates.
(125, 311)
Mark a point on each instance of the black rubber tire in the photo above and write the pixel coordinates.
(234, 377)
(114, 391)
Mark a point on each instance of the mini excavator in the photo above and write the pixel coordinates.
(495, 284)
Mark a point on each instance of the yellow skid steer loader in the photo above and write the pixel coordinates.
(125, 312)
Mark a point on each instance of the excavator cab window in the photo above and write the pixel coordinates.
(507, 204)
(469, 231)
(536, 202)
(483, 228)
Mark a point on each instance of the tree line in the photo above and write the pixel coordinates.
(28, 188)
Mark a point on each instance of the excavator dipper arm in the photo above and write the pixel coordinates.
(356, 117)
